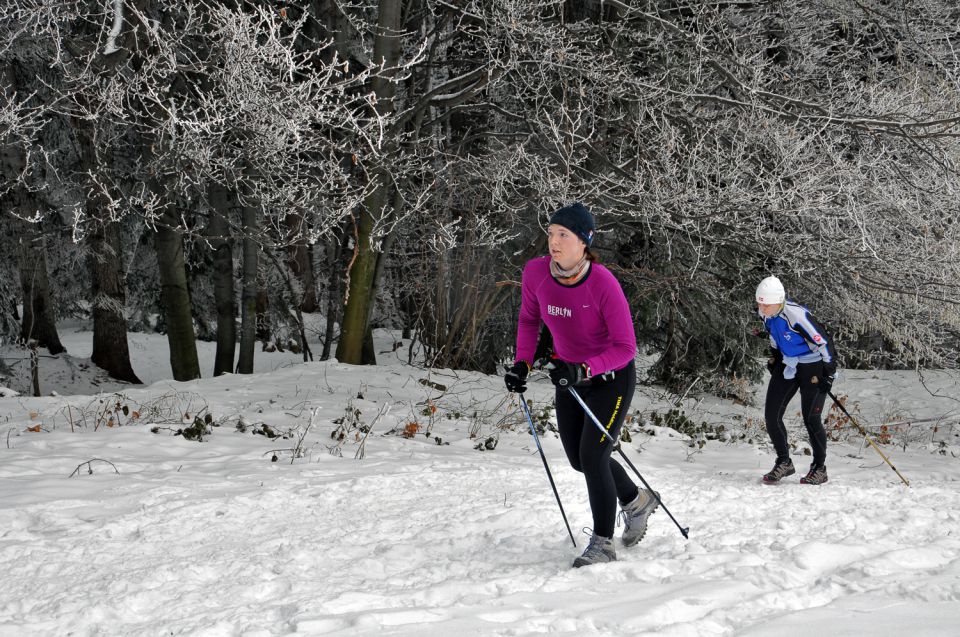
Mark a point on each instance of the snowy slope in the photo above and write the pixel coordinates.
(171, 536)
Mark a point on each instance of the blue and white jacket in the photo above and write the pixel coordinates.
(797, 336)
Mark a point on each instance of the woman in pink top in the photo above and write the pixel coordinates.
(584, 307)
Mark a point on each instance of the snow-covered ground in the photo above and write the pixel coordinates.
(428, 535)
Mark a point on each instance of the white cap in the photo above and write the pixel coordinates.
(770, 291)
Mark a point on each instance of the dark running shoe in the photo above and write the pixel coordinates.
(781, 470)
(816, 475)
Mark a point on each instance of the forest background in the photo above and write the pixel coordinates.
(215, 170)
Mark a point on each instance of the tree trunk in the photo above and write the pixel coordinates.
(110, 349)
(665, 367)
(334, 261)
(356, 314)
(248, 300)
(264, 327)
(223, 288)
(39, 321)
(109, 298)
(308, 278)
(176, 300)
(300, 261)
(34, 367)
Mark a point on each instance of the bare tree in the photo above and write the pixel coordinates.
(218, 231)
(39, 318)
(717, 142)
(167, 100)
(720, 142)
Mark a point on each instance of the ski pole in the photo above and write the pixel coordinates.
(864, 432)
(684, 530)
(536, 439)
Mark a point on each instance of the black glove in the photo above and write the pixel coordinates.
(565, 375)
(776, 357)
(830, 369)
(829, 375)
(516, 377)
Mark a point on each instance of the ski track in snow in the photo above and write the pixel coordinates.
(212, 539)
(450, 546)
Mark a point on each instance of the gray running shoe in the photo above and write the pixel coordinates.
(635, 515)
(599, 550)
(816, 475)
(780, 470)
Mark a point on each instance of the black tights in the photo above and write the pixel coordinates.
(587, 453)
(780, 392)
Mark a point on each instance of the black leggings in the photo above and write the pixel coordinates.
(780, 392)
(606, 479)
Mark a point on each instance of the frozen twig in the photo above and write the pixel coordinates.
(89, 463)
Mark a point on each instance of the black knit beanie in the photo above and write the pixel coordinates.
(577, 218)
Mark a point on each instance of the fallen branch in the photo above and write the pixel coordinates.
(89, 463)
(275, 457)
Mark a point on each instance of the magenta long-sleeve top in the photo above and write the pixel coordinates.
(590, 321)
